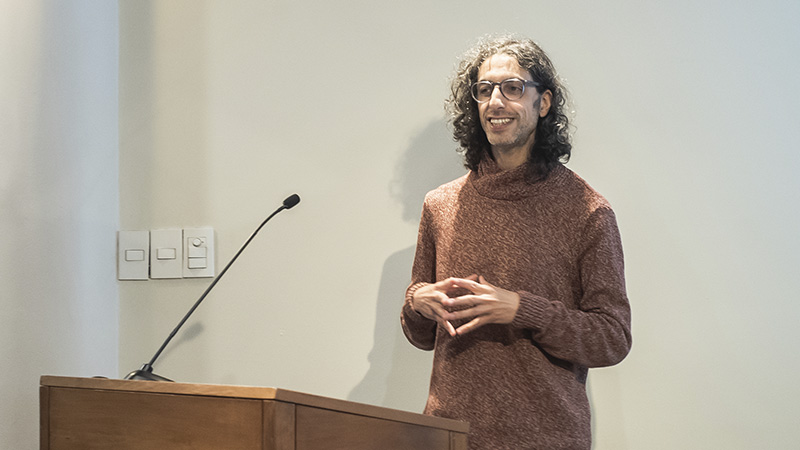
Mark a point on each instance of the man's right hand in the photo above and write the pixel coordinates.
(427, 301)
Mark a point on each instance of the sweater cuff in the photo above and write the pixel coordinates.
(408, 308)
(532, 312)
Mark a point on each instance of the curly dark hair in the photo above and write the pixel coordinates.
(552, 140)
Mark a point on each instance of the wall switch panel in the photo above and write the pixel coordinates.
(133, 255)
(198, 252)
(166, 253)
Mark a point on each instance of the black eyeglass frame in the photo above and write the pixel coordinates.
(473, 88)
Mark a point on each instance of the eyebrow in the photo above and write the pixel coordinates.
(504, 79)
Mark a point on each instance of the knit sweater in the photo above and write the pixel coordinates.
(556, 243)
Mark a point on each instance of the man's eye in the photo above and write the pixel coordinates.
(513, 88)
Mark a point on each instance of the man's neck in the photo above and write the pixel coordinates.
(508, 159)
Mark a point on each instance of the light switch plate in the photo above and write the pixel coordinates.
(133, 250)
(198, 252)
(166, 253)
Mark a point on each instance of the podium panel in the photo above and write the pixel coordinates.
(321, 429)
(93, 413)
(101, 419)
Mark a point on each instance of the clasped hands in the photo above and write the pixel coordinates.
(484, 304)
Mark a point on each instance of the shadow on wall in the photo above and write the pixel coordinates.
(399, 373)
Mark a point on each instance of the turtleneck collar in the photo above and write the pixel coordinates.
(489, 180)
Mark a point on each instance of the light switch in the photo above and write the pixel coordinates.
(134, 255)
(198, 263)
(133, 248)
(166, 253)
(198, 252)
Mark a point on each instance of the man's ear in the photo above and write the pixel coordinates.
(545, 102)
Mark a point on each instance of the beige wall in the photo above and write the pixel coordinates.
(686, 118)
(58, 201)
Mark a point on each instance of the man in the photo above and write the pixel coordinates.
(518, 281)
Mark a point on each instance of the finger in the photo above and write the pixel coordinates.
(430, 306)
(439, 312)
(468, 300)
(434, 297)
(469, 313)
(447, 285)
(449, 328)
(439, 298)
(442, 286)
(470, 326)
(473, 277)
(471, 285)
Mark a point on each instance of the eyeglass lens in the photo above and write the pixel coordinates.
(511, 89)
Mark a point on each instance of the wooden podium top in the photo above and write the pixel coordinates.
(258, 393)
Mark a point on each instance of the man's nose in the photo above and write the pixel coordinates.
(497, 98)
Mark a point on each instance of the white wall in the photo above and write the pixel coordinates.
(686, 121)
(59, 201)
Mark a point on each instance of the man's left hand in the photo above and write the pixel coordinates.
(486, 304)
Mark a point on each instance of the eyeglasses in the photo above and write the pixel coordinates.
(512, 89)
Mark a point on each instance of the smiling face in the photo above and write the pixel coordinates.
(510, 125)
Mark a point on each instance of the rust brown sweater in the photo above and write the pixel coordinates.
(556, 243)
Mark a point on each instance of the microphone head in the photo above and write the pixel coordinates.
(291, 201)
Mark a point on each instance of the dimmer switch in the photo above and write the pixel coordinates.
(198, 252)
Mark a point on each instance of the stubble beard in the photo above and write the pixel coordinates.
(519, 137)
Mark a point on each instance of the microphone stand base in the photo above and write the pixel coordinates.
(145, 374)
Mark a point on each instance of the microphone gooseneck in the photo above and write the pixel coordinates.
(146, 371)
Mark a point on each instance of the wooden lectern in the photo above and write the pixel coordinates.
(98, 413)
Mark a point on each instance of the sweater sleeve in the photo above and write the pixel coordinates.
(419, 330)
(597, 333)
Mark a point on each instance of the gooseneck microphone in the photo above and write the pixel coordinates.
(146, 371)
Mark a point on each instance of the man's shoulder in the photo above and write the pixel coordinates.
(577, 188)
(447, 190)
